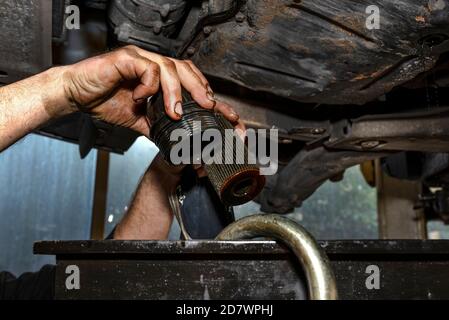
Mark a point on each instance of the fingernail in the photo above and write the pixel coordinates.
(210, 96)
(208, 88)
(178, 109)
(140, 100)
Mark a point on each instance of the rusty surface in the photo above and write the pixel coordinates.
(321, 51)
(308, 170)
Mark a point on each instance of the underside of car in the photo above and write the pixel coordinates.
(339, 93)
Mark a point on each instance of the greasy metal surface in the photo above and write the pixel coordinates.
(409, 269)
(306, 50)
(425, 131)
(159, 15)
(315, 263)
(211, 13)
(147, 23)
(351, 141)
(335, 249)
(304, 174)
(322, 51)
(26, 29)
(183, 278)
(262, 115)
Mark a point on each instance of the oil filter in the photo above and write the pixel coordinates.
(234, 179)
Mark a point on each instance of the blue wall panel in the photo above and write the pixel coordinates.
(46, 192)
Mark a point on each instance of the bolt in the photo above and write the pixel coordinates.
(165, 10)
(207, 30)
(285, 141)
(157, 27)
(239, 17)
(191, 51)
(318, 130)
(369, 144)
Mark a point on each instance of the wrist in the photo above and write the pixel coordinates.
(55, 96)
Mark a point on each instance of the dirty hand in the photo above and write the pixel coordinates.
(114, 87)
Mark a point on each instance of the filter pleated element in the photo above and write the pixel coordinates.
(235, 180)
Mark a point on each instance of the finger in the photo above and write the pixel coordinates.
(171, 89)
(227, 111)
(193, 84)
(169, 81)
(230, 114)
(149, 81)
(132, 66)
(200, 75)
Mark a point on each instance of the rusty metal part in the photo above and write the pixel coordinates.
(308, 170)
(422, 130)
(255, 44)
(352, 141)
(213, 12)
(262, 115)
(320, 277)
(335, 59)
(147, 23)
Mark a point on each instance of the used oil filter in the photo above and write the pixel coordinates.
(235, 182)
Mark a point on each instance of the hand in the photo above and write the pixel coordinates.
(170, 175)
(114, 87)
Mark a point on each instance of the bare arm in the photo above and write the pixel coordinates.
(27, 104)
(112, 87)
(149, 216)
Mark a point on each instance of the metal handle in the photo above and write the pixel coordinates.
(319, 274)
(173, 200)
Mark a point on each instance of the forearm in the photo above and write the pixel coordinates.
(28, 104)
(149, 216)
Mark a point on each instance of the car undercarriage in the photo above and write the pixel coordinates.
(339, 93)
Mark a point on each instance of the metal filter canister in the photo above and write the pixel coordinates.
(235, 183)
